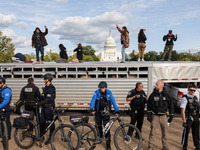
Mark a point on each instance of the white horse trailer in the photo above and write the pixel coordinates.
(76, 82)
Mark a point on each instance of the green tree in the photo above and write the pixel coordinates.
(54, 57)
(88, 50)
(151, 56)
(30, 56)
(133, 56)
(6, 49)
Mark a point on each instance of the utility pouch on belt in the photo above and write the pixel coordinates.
(27, 114)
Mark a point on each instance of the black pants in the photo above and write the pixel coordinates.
(105, 118)
(46, 118)
(29, 106)
(7, 116)
(195, 132)
(137, 114)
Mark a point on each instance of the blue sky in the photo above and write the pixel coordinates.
(89, 21)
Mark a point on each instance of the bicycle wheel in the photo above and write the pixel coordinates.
(66, 137)
(26, 138)
(123, 141)
(88, 135)
(4, 135)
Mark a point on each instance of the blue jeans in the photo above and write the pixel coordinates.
(124, 54)
(41, 50)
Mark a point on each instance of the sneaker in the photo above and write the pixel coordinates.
(42, 62)
(138, 59)
(122, 62)
(37, 62)
(143, 60)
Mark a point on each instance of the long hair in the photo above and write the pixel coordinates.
(141, 32)
(61, 46)
(125, 30)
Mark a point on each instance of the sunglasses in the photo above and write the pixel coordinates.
(192, 90)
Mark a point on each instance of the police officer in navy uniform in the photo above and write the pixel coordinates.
(30, 94)
(157, 105)
(101, 106)
(48, 104)
(137, 99)
(190, 116)
(5, 99)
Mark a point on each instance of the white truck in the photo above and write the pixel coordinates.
(76, 83)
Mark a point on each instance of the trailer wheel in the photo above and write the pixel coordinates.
(20, 107)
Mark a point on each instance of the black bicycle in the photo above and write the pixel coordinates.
(60, 139)
(3, 130)
(122, 139)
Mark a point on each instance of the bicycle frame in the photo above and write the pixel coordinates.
(57, 117)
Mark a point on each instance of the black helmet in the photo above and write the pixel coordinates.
(102, 84)
(2, 80)
(48, 76)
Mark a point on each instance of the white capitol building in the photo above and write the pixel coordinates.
(110, 53)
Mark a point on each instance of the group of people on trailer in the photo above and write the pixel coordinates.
(39, 41)
(158, 103)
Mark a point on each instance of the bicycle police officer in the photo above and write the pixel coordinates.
(157, 105)
(48, 105)
(137, 99)
(30, 94)
(190, 116)
(101, 103)
(5, 99)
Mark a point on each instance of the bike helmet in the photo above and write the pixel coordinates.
(2, 80)
(102, 84)
(48, 76)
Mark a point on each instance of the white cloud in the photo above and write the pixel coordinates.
(21, 24)
(16, 40)
(7, 20)
(61, 1)
(88, 30)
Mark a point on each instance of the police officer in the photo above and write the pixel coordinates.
(157, 105)
(101, 103)
(137, 99)
(48, 104)
(30, 94)
(5, 99)
(190, 116)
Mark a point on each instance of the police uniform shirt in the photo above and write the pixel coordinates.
(184, 101)
(6, 94)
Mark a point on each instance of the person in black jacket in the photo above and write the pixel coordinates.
(137, 99)
(30, 94)
(63, 52)
(48, 105)
(38, 42)
(157, 105)
(79, 51)
(141, 44)
(169, 38)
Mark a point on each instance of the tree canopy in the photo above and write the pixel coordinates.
(6, 49)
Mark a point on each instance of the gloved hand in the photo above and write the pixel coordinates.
(149, 116)
(184, 124)
(170, 118)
